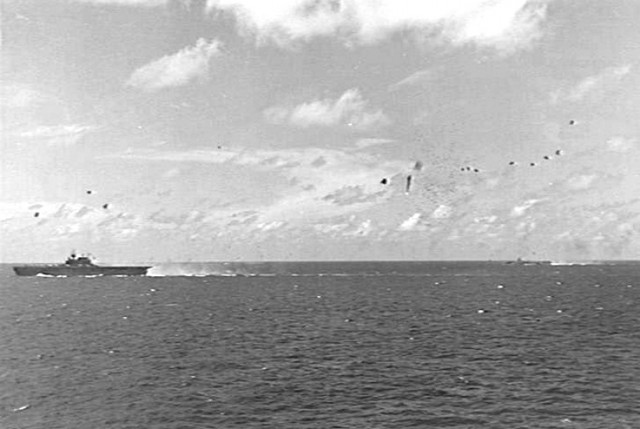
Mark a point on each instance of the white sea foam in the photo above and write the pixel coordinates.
(194, 270)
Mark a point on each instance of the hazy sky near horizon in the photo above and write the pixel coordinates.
(151, 130)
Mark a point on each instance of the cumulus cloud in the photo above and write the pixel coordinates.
(442, 212)
(177, 69)
(502, 24)
(523, 229)
(598, 83)
(350, 110)
(411, 223)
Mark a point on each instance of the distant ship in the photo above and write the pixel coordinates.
(78, 266)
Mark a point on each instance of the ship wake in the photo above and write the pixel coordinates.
(196, 270)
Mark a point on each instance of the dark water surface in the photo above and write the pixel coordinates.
(357, 345)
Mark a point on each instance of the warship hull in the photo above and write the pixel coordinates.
(74, 271)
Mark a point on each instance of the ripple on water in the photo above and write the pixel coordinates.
(373, 351)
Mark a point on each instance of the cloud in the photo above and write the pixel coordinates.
(24, 107)
(598, 83)
(582, 181)
(361, 230)
(345, 182)
(62, 220)
(361, 165)
(145, 3)
(348, 195)
(177, 69)
(171, 173)
(350, 110)
(65, 135)
(442, 212)
(16, 96)
(502, 24)
(268, 226)
(411, 224)
(368, 142)
(324, 228)
(418, 78)
(518, 211)
(319, 162)
(620, 144)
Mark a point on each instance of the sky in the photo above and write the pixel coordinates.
(245, 130)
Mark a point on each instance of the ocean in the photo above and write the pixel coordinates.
(324, 345)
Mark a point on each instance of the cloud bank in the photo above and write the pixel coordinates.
(177, 69)
(502, 24)
(344, 182)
